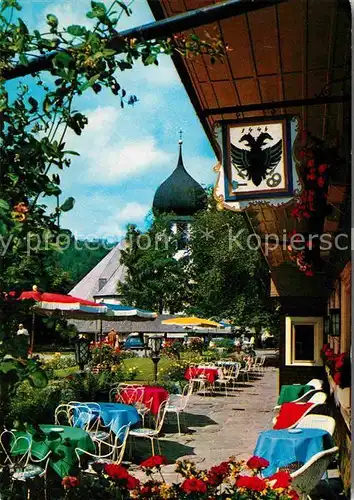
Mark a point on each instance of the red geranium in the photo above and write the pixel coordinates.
(132, 482)
(337, 377)
(70, 482)
(311, 163)
(282, 479)
(116, 471)
(154, 461)
(193, 485)
(293, 495)
(322, 168)
(257, 463)
(254, 483)
(321, 182)
(217, 473)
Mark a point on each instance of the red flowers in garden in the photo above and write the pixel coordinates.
(70, 482)
(193, 485)
(154, 461)
(253, 483)
(257, 463)
(120, 473)
(217, 474)
(282, 479)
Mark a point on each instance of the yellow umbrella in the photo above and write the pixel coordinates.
(191, 321)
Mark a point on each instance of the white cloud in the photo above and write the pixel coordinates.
(100, 215)
(132, 211)
(109, 152)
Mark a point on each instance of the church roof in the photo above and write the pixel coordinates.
(179, 193)
(109, 272)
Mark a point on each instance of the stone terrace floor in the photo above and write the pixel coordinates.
(218, 427)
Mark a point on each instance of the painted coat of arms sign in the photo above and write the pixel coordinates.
(258, 165)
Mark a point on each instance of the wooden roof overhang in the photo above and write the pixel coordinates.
(290, 58)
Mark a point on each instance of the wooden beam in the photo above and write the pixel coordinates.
(165, 27)
(312, 101)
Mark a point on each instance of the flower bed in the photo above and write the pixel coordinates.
(229, 480)
(338, 366)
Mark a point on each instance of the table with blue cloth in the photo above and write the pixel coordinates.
(289, 393)
(282, 447)
(116, 414)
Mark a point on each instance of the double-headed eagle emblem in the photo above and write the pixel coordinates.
(256, 164)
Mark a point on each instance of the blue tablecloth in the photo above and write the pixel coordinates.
(281, 447)
(117, 414)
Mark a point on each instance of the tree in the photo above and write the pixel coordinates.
(33, 125)
(156, 280)
(230, 278)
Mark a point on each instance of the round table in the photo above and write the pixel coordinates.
(152, 396)
(62, 445)
(116, 414)
(290, 413)
(211, 374)
(289, 393)
(282, 447)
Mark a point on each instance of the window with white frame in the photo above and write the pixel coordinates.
(303, 340)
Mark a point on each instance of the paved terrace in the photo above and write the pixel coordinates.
(218, 427)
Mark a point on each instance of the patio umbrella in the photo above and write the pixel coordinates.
(58, 305)
(192, 321)
(118, 312)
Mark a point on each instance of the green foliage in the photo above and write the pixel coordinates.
(230, 279)
(81, 256)
(31, 405)
(173, 348)
(58, 362)
(104, 355)
(225, 344)
(89, 386)
(155, 279)
(173, 372)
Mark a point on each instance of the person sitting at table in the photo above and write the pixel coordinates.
(239, 354)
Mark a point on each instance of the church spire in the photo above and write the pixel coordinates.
(180, 142)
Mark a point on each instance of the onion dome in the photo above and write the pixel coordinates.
(179, 193)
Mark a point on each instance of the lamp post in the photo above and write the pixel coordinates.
(82, 352)
(155, 343)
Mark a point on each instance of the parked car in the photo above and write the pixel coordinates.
(133, 342)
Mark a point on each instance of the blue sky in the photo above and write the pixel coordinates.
(126, 153)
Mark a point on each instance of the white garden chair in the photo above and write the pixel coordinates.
(305, 479)
(80, 415)
(201, 382)
(24, 466)
(113, 456)
(318, 398)
(313, 421)
(316, 383)
(96, 428)
(308, 411)
(305, 398)
(62, 415)
(178, 403)
(245, 372)
(144, 432)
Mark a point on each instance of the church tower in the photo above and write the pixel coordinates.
(179, 196)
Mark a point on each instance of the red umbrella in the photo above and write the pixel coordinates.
(62, 306)
(33, 294)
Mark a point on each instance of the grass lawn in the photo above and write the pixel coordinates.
(144, 365)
